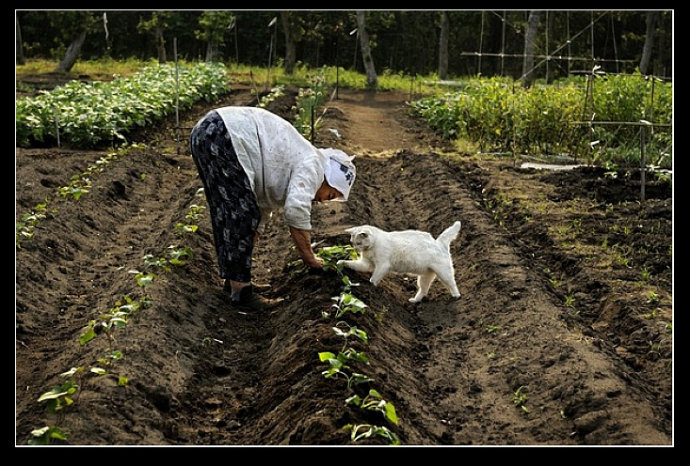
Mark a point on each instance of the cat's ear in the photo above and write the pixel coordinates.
(351, 230)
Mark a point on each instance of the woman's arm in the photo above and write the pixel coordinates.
(302, 239)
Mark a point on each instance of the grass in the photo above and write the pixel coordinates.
(101, 69)
(347, 79)
(256, 76)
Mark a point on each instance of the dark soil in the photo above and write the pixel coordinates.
(554, 306)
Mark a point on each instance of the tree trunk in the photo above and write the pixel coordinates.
(72, 53)
(652, 17)
(211, 51)
(20, 46)
(290, 47)
(443, 46)
(530, 45)
(160, 45)
(372, 79)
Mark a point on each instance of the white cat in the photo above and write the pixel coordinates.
(411, 252)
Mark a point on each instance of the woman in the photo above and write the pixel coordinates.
(251, 163)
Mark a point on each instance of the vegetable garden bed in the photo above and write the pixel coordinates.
(92, 114)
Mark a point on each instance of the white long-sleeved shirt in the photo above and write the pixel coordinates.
(284, 169)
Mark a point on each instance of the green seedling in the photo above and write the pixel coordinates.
(75, 191)
(89, 332)
(46, 435)
(520, 398)
(374, 402)
(345, 356)
(117, 316)
(351, 331)
(332, 254)
(569, 300)
(195, 212)
(144, 279)
(338, 367)
(98, 371)
(652, 297)
(61, 396)
(347, 283)
(151, 261)
(362, 431)
(347, 302)
(186, 228)
(25, 227)
(109, 357)
(492, 328)
(178, 255)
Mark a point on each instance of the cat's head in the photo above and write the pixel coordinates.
(362, 237)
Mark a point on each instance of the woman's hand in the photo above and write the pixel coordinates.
(302, 240)
(314, 262)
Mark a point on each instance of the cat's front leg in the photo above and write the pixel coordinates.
(357, 266)
(380, 271)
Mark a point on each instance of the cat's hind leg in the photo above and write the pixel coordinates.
(447, 276)
(423, 284)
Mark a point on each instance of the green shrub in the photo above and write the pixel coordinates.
(501, 115)
(88, 114)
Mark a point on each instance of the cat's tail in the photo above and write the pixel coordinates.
(449, 234)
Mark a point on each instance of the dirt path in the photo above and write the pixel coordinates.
(458, 371)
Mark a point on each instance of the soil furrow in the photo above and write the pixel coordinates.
(509, 363)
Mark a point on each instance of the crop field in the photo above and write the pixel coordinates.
(563, 334)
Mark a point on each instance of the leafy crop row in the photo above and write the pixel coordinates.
(500, 115)
(346, 362)
(64, 395)
(308, 99)
(88, 114)
(80, 184)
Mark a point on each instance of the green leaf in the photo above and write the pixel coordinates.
(354, 400)
(390, 413)
(358, 378)
(40, 432)
(87, 336)
(65, 389)
(325, 356)
(72, 371)
(122, 381)
(44, 435)
(144, 279)
(98, 370)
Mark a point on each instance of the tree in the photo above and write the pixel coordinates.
(530, 45)
(18, 40)
(652, 17)
(73, 25)
(213, 25)
(290, 46)
(364, 42)
(443, 46)
(156, 25)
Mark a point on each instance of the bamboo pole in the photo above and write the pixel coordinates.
(177, 94)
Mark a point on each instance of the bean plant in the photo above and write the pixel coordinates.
(89, 114)
(500, 115)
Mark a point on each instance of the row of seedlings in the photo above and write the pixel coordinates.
(119, 315)
(344, 362)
